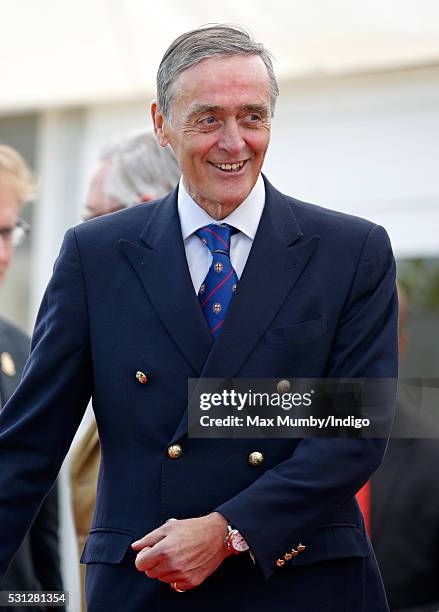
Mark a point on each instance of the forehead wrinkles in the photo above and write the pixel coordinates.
(221, 81)
(218, 91)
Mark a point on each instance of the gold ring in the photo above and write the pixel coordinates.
(175, 587)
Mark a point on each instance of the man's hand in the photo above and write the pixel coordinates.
(185, 552)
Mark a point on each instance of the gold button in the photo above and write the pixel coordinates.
(174, 451)
(255, 458)
(301, 547)
(288, 556)
(280, 562)
(283, 386)
(294, 552)
(142, 378)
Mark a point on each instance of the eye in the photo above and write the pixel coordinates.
(254, 117)
(210, 120)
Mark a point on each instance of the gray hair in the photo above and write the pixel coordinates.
(206, 42)
(139, 166)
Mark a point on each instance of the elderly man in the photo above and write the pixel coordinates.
(36, 565)
(224, 277)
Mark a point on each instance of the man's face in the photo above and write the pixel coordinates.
(219, 129)
(9, 208)
(98, 203)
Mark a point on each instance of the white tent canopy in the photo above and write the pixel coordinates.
(60, 53)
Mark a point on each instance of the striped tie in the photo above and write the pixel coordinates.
(216, 292)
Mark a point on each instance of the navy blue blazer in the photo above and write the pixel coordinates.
(316, 299)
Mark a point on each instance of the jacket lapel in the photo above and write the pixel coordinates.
(276, 261)
(160, 262)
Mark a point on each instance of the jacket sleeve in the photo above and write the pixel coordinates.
(285, 505)
(45, 543)
(38, 423)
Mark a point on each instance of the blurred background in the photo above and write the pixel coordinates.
(356, 127)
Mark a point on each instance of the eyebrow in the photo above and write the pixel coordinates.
(200, 109)
(262, 109)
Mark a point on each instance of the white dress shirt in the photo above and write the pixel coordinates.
(245, 218)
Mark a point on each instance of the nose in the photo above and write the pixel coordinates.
(232, 140)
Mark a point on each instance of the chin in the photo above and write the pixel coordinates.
(235, 197)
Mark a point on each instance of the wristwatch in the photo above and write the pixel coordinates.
(234, 542)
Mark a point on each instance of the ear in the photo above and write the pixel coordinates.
(159, 123)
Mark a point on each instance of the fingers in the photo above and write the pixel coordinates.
(171, 577)
(183, 552)
(163, 564)
(181, 585)
(159, 561)
(147, 559)
(149, 539)
(184, 581)
(153, 537)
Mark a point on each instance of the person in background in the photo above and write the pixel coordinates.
(36, 565)
(132, 169)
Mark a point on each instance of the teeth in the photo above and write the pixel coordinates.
(230, 167)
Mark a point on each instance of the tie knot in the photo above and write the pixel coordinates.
(216, 237)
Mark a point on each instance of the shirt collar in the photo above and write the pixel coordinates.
(245, 217)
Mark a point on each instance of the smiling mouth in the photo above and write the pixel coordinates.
(232, 167)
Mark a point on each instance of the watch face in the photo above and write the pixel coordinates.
(238, 542)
